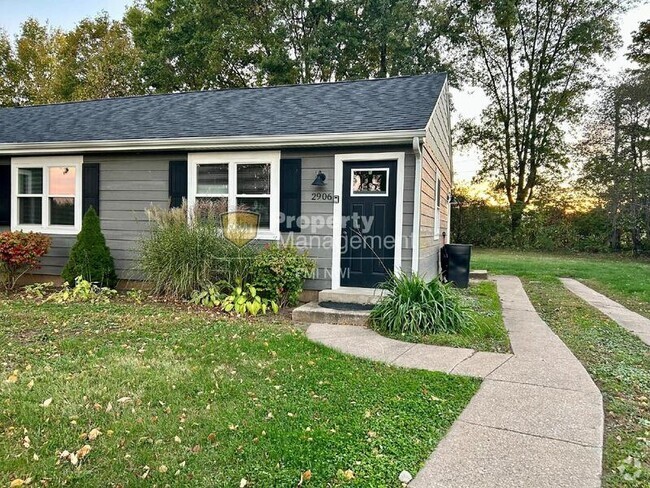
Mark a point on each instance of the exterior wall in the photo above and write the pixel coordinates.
(436, 157)
(129, 183)
(4, 162)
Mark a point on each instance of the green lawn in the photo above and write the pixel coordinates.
(617, 360)
(486, 332)
(185, 398)
(624, 279)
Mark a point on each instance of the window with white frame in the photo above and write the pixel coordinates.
(46, 194)
(241, 180)
(436, 225)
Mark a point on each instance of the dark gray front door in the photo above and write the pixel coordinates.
(5, 195)
(368, 222)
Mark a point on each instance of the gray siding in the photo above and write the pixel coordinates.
(129, 183)
(436, 155)
(4, 162)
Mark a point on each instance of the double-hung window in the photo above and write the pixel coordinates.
(46, 194)
(240, 181)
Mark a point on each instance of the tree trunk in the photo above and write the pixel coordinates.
(516, 215)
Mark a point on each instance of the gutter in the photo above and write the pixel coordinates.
(210, 143)
(417, 210)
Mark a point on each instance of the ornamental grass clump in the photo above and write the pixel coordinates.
(413, 305)
(180, 255)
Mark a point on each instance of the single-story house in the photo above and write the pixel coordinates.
(357, 172)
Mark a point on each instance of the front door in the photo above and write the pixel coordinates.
(368, 222)
(5, 195)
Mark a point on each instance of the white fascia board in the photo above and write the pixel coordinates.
(220, 143)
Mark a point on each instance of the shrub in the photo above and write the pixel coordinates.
(180, 256)
(20, 253)
(413, 305)
(280, 273)
(90, 257)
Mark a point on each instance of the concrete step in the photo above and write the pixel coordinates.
(478, 274)
(359, 296)
(313, 313)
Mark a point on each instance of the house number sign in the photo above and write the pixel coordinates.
(322, 196)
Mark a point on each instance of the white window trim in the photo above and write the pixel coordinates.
(436, 203)
(233, 159)
(339, 159)
(47, 162)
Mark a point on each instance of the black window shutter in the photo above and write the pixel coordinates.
(90, 187)
(177, 183)
(290, 194)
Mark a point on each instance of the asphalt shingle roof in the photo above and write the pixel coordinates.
(400, 103)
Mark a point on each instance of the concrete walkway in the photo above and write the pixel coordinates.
(536, 421)
(632, 321)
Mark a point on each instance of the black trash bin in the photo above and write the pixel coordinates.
(455, 263)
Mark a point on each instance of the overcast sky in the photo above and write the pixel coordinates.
(468, 103)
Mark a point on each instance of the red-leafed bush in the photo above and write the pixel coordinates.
(20, 253)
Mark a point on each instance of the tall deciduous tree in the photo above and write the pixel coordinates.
(36, 58)
(97, 60)
(534, 59)
(7, 69)
(616, 149)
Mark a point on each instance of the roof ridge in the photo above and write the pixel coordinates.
(217, 90)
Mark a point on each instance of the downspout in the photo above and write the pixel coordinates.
(415, 259)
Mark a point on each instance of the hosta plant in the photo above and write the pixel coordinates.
(82, 291)
(245, 300)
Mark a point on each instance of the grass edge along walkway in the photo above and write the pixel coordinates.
(619, 363)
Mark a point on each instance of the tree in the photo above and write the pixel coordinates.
(36, 58)
(534, 59)
(90, 257)
(199, 44)
(98, 60)
(639, 50)
(7, 72)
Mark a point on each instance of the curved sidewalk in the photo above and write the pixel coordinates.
(536, 421)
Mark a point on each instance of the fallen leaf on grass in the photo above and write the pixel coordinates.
(83, 452)
(94, 434)
(47, 403)
(243, 483)
(30, 385)
(12, 378)
(306, 476)
(162, 468)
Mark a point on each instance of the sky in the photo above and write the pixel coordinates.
(468, 103)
